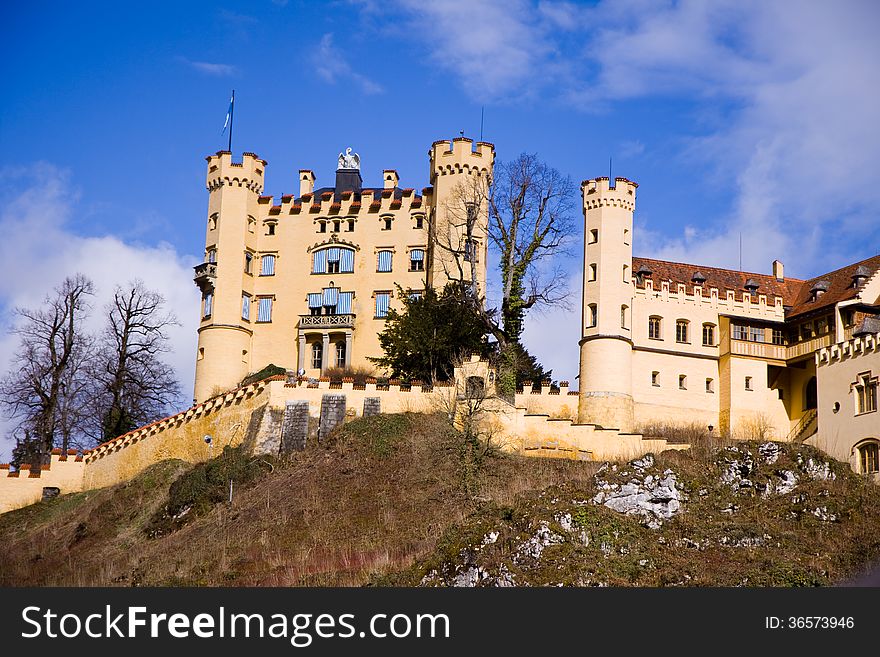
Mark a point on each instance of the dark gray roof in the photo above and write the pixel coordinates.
(871, 324)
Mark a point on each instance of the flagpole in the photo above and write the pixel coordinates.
(231, 116)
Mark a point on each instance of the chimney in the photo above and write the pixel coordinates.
(390, 177)
(778, 270)
(306, 182)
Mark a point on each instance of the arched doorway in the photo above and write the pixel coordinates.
(810, 395)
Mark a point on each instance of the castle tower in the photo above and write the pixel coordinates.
(606, 342)
(460, 175)
(223, 354)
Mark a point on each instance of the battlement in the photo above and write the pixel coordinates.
(852, 348)
(25, 486)
(370, 200)
(248, 173)
(734, 302)
(461, 155)
(598, 192)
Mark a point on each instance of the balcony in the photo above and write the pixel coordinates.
(326, 321)
(807, 347)
(764, 350)
(205, 275)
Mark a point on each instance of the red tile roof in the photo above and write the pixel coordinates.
(840, 287)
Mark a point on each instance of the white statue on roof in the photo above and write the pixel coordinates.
(349, 160)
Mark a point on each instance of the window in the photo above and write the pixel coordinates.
(592, 272)
(710, 386)
(340, 354)
(655, 379)
(869, 458)
(739, 332)
(207, 303)
(244, 356)
(708, 335)
(245, 306)
(333, 260)
(350, 226)
(384, 261)
(822, 326)
(420, 221)
(212, 221)
(756, 334)
(623, 322)
(267, 267)
(866, 393)
(382, 299)
(317, 355)
(470, 250)
(336, 226)
(593, 315)
(625, 274)
(681, 331)
(201, 353)
(626, 236)
(248, 262)
(251, 224)
(386, 225)
(778, 337)
(322, 226)
(417, 260)
(270, 228)
(654, 328)
(807, 331)
(264, 310)
(682, 382)
(415, 296)
(749, 383)
(594, 236)
(211, 255)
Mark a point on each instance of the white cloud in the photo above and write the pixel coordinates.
(332, 65)
(212, 68)
(38, 250)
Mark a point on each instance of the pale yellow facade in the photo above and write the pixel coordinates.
(267, 262)
(667, 343)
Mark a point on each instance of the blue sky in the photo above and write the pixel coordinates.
(747, 117)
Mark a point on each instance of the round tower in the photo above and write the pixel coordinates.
(606, 327)
(460, 175)
(224, 279)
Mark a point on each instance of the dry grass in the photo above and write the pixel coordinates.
(371, 500)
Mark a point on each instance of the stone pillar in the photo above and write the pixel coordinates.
(301, 358)
(325, 351)
(295, 426)
(332, 414)
(348, 349)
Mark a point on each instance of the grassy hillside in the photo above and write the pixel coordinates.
(403, 500)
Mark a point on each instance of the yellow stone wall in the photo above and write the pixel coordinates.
(18, 489)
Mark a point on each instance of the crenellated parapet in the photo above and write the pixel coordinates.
(733, 302)
(26, 485)
(461, 155)
(248, 173)
(599, 193)
(858, 346)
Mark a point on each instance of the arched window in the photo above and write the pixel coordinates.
(681, 331)
(317, 355)
(212, 221)
(333, 260)
(810, 396)
(654, 328)
(592, 276)
(865, 389)
(869, 457)
(593, 315)
(624, 323)
(251, 224)
(626, 274)
(211, 255)
(708, 335)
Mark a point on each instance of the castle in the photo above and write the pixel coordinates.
(306, 284)
(745, 354)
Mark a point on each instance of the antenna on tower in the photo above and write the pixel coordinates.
(610, 179)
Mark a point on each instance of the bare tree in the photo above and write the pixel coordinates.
(134, 385)
(47, 376)
(529, 209)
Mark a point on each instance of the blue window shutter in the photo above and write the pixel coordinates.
(346, 261)
(320, 264)
(264, 312)
(343, 306)
(384, 264)
(268, 268)
(331, 296)
(417, 254)
(382, 299)
(209, 302)
(316, 300)
(333, 254)
(245, 306)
